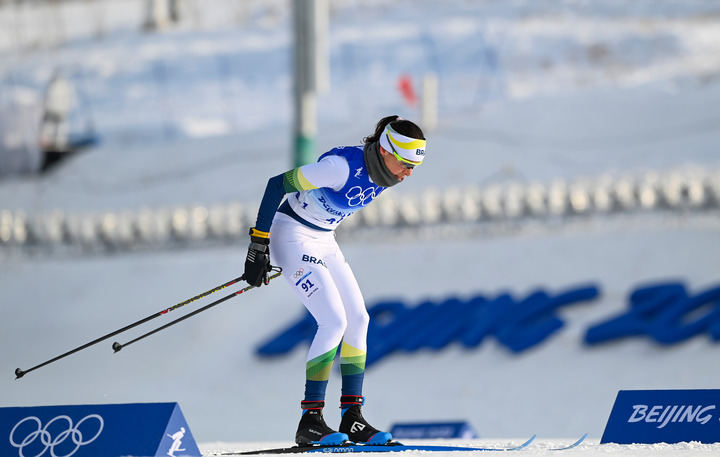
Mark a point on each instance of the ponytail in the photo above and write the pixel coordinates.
(398, 124)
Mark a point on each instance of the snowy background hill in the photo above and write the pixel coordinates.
(200, 114)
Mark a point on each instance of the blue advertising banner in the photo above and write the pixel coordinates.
(138, 429)
(425, 430)
(664, 416)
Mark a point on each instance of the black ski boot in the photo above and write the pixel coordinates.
(355, 425)
(313, 429)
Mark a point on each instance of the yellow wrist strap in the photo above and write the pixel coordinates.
(258, 233)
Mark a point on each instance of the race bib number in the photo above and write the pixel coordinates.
(307, 284)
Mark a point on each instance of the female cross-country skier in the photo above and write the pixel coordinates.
(320, 196)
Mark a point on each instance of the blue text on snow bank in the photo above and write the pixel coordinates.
(665, 312)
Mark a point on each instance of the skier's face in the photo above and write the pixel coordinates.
(399, 169)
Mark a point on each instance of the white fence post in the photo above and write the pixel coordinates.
(429, 102)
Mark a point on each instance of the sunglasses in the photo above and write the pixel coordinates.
(409, 164)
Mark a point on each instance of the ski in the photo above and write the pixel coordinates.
(570, 446)
(393, 446)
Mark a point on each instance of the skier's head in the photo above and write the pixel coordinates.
(402, 144)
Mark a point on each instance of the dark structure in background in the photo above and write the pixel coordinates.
(57, 141)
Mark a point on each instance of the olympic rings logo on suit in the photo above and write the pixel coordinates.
(357, 196)
(48, 441)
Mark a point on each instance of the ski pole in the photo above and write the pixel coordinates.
(19, 373)
(117, 346)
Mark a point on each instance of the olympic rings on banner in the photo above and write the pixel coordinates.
(48, 441)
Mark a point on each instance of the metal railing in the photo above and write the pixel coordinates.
(58, 231)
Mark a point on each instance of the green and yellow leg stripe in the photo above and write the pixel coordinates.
(318, 369)
(352, 360)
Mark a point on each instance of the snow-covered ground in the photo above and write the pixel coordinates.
(531, 91)
(539, 447)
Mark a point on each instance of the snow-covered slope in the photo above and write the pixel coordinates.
(549, 113)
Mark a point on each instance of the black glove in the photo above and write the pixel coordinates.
(257, 262)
